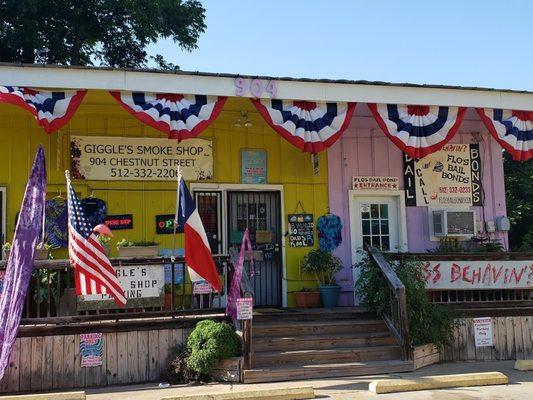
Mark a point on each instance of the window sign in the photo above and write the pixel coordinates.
(245, 308)
(119, 222)
(253, 166)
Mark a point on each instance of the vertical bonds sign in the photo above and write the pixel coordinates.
(448, 177)
(139, 159)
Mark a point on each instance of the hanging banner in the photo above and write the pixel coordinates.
(139, 159)
(448, 177)
(450, 275)
(143, 287)
(91, 353)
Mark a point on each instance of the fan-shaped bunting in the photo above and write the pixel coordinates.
(418, 130)
(52, 110)
(179, 116)
(513, 129)
(310, 126)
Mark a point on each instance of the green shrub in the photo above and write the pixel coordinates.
(178, 371)
(322, 264)
(210, 342)
(428, 322)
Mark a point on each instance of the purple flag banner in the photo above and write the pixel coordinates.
(20, 264)
(235, 288)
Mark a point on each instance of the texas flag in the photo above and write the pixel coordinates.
(197, 251)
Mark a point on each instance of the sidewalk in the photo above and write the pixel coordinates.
(521, 387)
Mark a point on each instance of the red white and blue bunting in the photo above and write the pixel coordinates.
(179, 116)
(52, 110)
(310, 126)
(418, 130)
(513, 129)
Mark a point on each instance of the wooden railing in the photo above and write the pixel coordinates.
(247, 325)
(51, 297)
(396, 317)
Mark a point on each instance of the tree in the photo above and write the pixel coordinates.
(519, 195)
(81, 32)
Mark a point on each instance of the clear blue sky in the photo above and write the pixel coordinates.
(468, 42)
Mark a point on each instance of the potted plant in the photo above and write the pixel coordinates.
(42, 251)
(142, 248)
(6, 248)
(104, 241)
(324, 265)
(307, 298)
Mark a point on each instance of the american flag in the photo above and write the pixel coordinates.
(93, 273)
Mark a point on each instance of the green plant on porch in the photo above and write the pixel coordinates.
(131, 243)
(209, 343)
(323, 265)
(428, 322)
(178, 371)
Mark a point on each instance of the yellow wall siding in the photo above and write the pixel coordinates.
(100, 115)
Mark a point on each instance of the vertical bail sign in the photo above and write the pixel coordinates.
(448, 177)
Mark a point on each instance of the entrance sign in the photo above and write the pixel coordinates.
(119, 222)
(479, 274)
(91, 349)
(253, 166)
(140, 159)
(375, 183)
(448, 177)
(483, 332)
(301, 230)
(143, 287)
(245, 308)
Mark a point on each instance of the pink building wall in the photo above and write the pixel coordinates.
(365, 150)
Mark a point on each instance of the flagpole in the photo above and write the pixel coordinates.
(173, 256)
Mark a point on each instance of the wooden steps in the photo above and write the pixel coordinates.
(315, 371)
(321, 343)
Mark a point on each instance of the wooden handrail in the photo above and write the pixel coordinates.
(399, 328)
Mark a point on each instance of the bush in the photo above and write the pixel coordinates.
(210, 342)
(428, 322)
(322, 264)
(179, 372)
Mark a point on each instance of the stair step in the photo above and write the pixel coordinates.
(337, 355)
(322, 327)
(306, 314)
(319, 342)
(312, 371)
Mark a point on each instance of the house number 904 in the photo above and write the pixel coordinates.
(255, 86)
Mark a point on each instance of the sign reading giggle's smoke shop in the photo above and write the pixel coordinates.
(139, 159)
(448, 177)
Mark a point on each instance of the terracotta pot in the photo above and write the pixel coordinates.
(307, 299)
(138, 251)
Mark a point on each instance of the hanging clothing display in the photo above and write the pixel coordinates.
(56, 222)
(95, 210)
(329, 229)
(52, 110)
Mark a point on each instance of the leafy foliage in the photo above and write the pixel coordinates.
(79, 32)
(519, 195)
(428, 322)
(322, 264)
(131, 243)
(209, 342)
(179, 372)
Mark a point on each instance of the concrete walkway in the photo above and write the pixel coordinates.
(521, 387)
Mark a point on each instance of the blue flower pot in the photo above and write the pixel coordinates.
(330, 295)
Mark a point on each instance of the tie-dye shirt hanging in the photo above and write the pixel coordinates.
(329, 228)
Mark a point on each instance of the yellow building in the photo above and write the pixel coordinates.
(290, 180)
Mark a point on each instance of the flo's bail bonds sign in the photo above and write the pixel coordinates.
(128, 158)
(516, 274)
(448, 177)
